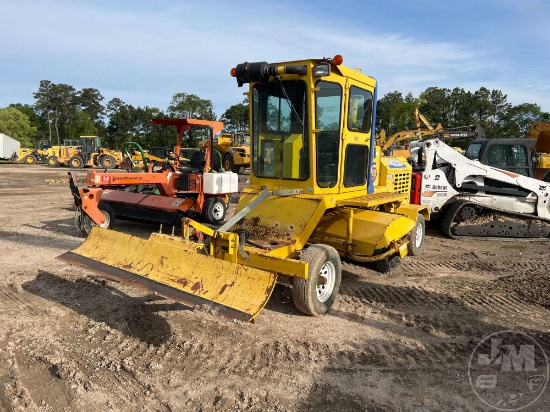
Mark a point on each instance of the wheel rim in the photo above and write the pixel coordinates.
(75, 163)
(227, 165)
(326, 281)
(217, 211)
(419, 235)
(30, 160)
(107, 163)
(52, 162)
(107, 219)
(105, 224)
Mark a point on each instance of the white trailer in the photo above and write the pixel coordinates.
(8, 146)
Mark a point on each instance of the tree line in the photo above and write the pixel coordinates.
(62, 112)
(459, 109)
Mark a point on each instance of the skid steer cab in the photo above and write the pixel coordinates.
(319, 192)
(163, 197)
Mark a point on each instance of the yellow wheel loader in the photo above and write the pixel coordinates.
(86, 152)
(234, 150)
(33, 156)
(319, 192)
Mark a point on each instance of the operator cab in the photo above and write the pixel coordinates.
(512, 155)
(311, 126)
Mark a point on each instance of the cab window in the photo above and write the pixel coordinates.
(513, 158)
(355, 170)
(359, 110)
(472, 152)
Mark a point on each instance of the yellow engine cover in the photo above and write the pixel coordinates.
(395, 174)
(372, 230)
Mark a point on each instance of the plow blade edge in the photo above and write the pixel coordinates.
(169, 267)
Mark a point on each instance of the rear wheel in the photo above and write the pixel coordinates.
(214, 210)
(76, 162)
(387, 264)
(316, 294)
(30, 159)
(108, 162)
(52, 161)
(87, 223)
(416, 236)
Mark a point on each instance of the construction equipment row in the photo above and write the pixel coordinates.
(319, 192)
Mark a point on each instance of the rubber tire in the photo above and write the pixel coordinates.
(76, 162)
(215, 162)
(52, 161)
(30, 159)
(304, 291)
(211, 207)
(229, 163)
(88, 223)
(414, 247)
(387, 264)
(107, 162)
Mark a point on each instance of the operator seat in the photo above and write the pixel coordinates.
(196, 163)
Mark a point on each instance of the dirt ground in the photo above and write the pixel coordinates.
(71, 340)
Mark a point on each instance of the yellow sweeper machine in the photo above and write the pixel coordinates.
(319, 191)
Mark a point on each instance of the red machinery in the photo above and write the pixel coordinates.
(160, 197)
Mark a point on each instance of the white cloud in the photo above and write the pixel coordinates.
(145, 56)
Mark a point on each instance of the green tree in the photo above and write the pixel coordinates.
(436, 105)
(44, 104)
(133, 124)
(462, 109)
(191, 106)
(519, 118)
(395, 112)
(89, 101)
(121, 123)
(16, 124)
(35, 119)
(81, 124)
(236, 117)
(58, 104)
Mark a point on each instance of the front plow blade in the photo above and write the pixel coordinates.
(169, 267)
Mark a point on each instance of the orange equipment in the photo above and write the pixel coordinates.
(161, 197)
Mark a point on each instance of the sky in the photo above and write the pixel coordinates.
(144, 52)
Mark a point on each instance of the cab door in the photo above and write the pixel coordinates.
(356, 136)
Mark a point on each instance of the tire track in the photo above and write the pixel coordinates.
(503, 305)
(12, 300)
(513, 267)
(397, 295)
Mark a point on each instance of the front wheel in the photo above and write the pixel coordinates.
(214, 210)
(30, 159)
(87, 223)
(316, 294)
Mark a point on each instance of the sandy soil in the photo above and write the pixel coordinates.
(73, 341)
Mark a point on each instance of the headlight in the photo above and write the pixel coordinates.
(320, 70)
